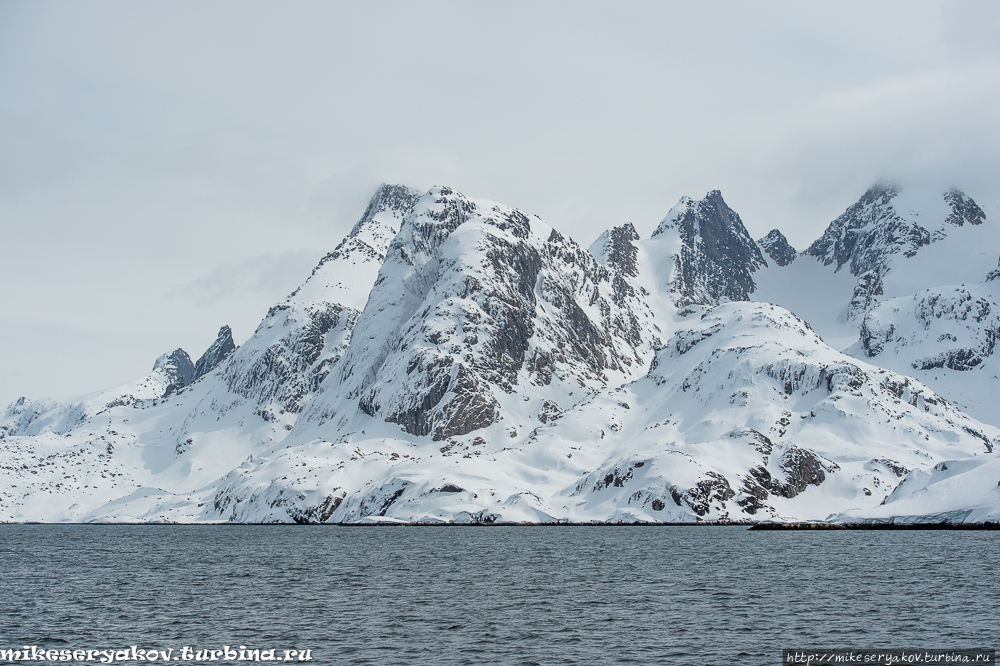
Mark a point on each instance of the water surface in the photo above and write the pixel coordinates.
(497, 595)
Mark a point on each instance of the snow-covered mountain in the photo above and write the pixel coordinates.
(873, 235)
(900, 279)
(215, 354)
(479, 313)
(457, 360)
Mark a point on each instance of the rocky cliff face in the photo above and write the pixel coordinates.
(963, 209)
(717, 257)
(617, 248)
(346, 275)
(301, 340)
(177, 368)
(290, 353)
(284, 361)
(881, 230)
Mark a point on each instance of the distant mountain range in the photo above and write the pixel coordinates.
(457, 360)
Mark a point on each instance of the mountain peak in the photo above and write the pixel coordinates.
(216, 353)
(869, 232)
(881, 224)
(777, 247)
(963, 209)
(457, 360)
(387, 198)
(345, 275)
(883, 187)
(616, 247)
(717, 256)
(477, 301)
(177, 366)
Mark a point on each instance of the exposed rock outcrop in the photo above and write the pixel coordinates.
(456, 360)
(963, 209)
(951, 327)
(868, 233)
(616, 247)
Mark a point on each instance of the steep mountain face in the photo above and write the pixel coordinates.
(282, 364)
(716, 258)
(914, 299)
(216, 353)
(476, 302)
(289, 354)
(346, 275)
(963, 209)
(776, 246)
(456, 360)
(300, 340)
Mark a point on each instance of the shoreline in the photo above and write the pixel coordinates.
(763, 526)
(777, 527)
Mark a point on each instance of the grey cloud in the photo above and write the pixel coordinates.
(150, 152)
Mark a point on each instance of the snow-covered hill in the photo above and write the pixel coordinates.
(455, 359)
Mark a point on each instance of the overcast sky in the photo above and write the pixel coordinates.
(169, 167)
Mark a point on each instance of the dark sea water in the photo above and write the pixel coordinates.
(498, 595)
